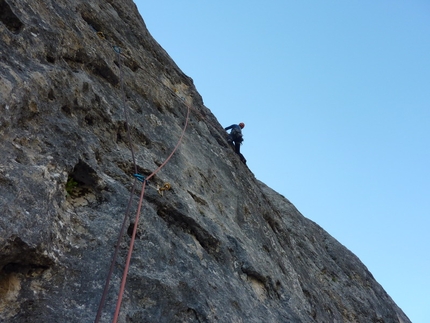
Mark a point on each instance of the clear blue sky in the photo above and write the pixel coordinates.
(335, 96)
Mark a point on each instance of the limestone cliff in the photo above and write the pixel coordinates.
(219, 246)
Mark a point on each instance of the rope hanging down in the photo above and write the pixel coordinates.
(136, 222)
(127, 212)
(137, 178)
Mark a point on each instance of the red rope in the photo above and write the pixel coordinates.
(106, 287)
(130, 250)
(122, 230)
(126, 269)
(176, 147)
(111, 268)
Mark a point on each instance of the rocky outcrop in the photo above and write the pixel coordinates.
(83, 85)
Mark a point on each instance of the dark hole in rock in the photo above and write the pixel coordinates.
(16, 256)
(51, 95)
(50, 59)
(66, 110)
(20, 264)
(91, 21)
(130, 231)
(102, 69)
(84, 174)
(8, 18)
(28, 270)
(89, 120)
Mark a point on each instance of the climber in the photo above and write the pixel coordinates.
(235, 138)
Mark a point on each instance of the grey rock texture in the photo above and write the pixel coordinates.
(220, 246)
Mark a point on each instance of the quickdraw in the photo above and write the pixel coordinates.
(145, 181)
(140, 178)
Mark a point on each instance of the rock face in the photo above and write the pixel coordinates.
(80, 80)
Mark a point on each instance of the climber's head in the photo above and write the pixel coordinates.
(241, 125)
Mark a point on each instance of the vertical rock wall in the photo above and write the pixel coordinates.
(220, 246)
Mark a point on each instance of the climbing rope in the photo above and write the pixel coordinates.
(130, 249)
(137, 177)
(127, 212)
